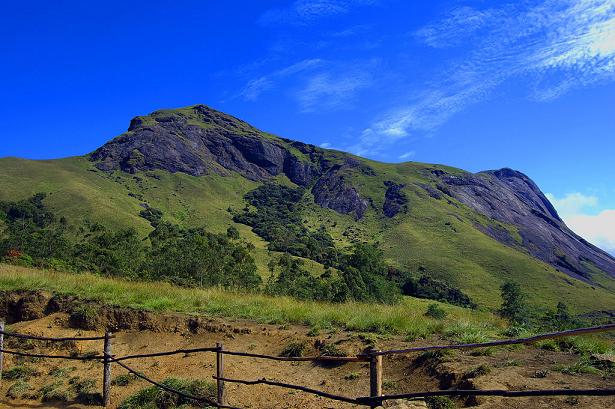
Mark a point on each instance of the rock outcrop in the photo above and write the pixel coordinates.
(512, 197)
(334, 190)
(199, 142)
(395, 200)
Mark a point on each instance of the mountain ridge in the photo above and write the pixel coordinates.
(195, 164)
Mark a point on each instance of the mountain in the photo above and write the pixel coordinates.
(474, 230)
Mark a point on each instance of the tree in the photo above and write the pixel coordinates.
(513, 303)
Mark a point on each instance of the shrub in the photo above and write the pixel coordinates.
(122, 380)
(20, 372)
(513, 303)
(55, 392)
(481, 370)
(435, 311)
(439, 402)
(154, 397)
(294, 349)
(19, 390)
(430, 288)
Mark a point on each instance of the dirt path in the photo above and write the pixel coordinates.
(510, 368)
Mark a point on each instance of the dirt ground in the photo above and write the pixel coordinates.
(507, 368)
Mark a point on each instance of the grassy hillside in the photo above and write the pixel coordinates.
(435, 237)
(405, 318)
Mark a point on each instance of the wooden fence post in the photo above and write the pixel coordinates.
(1, 347)
(375, 376)
(107, 370)
(220, 374)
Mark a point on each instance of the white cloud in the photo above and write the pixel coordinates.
(255, 87)
(598, 229)
(325, 145)
(553, 45)
(572, 204)
(407, 155)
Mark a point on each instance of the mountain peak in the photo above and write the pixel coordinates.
(199, 140)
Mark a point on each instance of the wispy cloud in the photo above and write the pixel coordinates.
(304, 12)
(575, 209)
(332, 90)
(256, 86)
(553, 45)
(407, 155)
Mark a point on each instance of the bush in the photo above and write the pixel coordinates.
(435, 311)
(481, 370)
(154, 397)
(294, 349)
(19, 390)
(122, 380)
(513, 303)
(20, 372)
(430, 288)
(440, 402)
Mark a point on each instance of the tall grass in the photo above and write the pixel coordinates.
(407, 317)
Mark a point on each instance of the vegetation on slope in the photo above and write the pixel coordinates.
(406, 317)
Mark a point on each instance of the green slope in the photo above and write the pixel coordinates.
(440, 238)
(436, 238)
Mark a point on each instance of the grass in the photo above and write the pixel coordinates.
(154, 397)
(294, 349)
(407, 317)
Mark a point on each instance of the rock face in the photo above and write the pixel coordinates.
(395, 200)
(511, 197)
(334, 191)
(199, 142)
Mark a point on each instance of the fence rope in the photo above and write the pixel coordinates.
(487, 392)
(40, 338)
(264, 381)
(168, 389)
(73, 357)
(512, 341)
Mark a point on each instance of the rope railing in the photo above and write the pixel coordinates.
(52, 339)
(512, 341)
(372, 356)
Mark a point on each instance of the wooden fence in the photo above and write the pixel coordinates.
(374, 357)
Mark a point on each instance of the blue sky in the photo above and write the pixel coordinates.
(473, 84)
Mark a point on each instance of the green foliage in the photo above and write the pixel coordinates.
(191, 257)
(427, 287)
(559, 319)
(154, 397)
(582, 366)
(277, 219)
(195, 257)
(20, 372)
(481, 370)
(513, 303)
(123, 380)
(330, 349)
(294, 349)
(152, 215)
(55, 392)
(435, 311)
(19, 390)
(295, 281)
(440, 402)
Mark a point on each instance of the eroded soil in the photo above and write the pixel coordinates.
(143, 332)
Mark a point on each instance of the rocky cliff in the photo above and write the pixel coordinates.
(199, 140)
